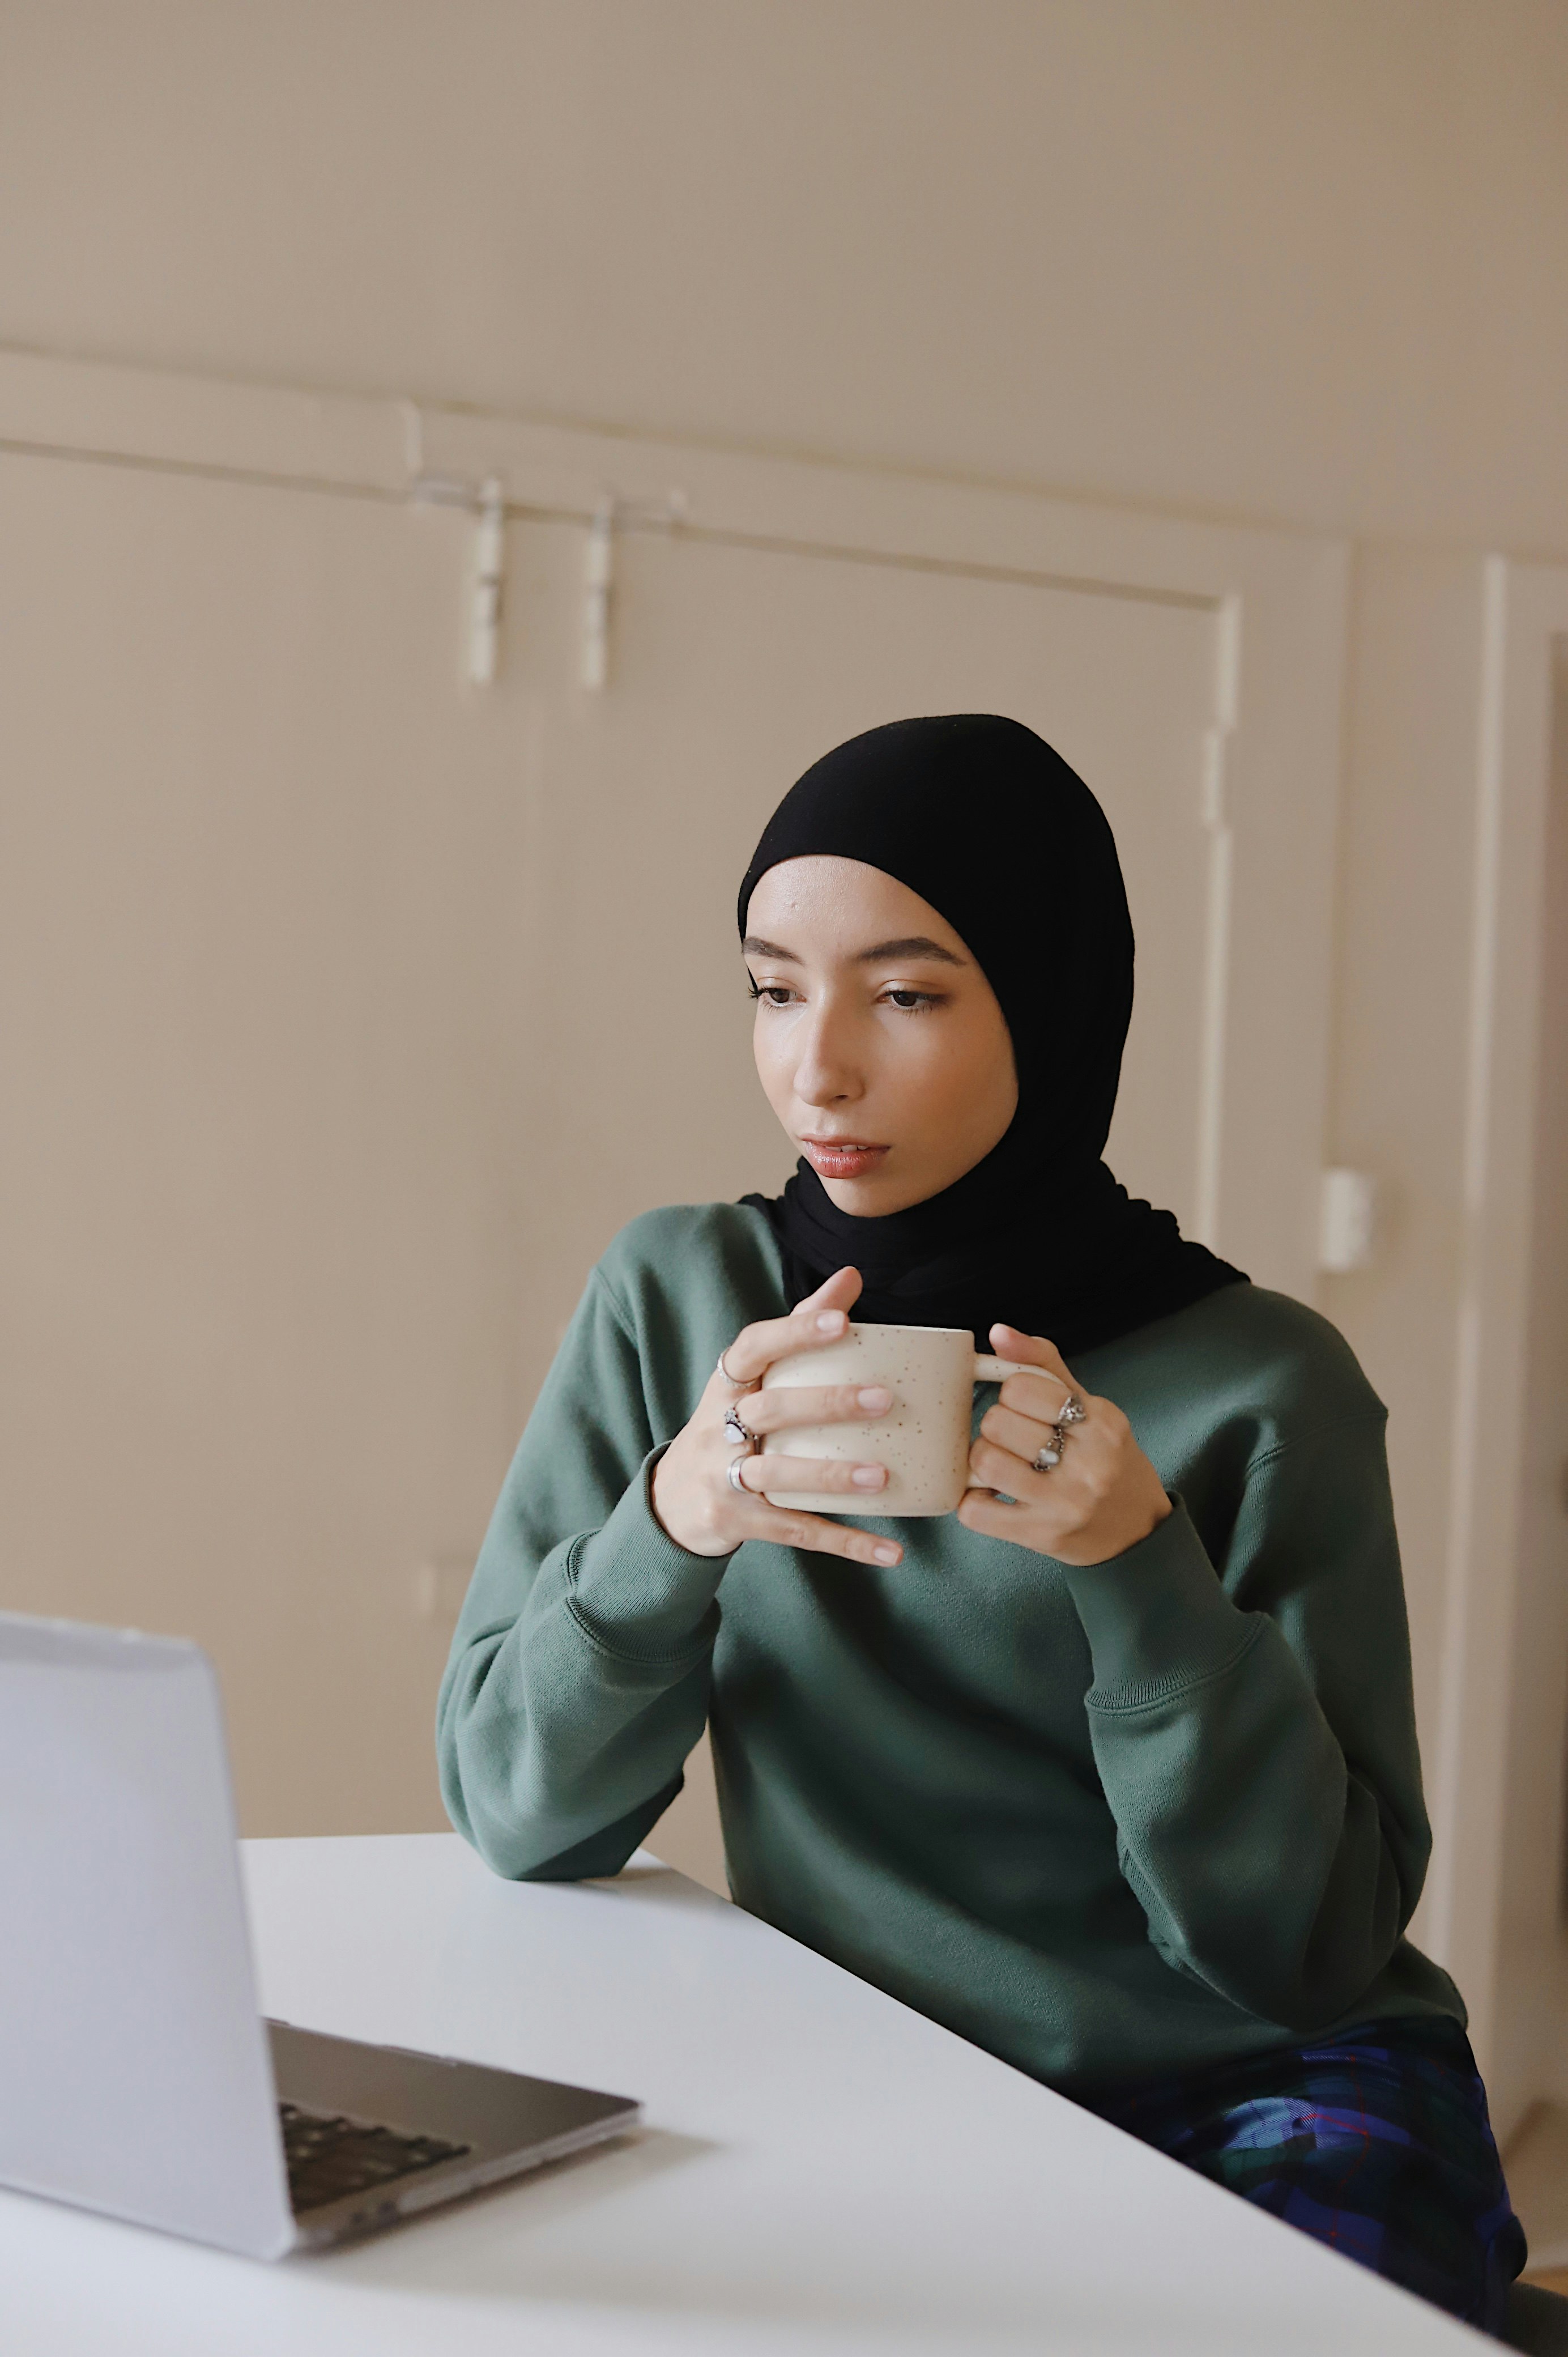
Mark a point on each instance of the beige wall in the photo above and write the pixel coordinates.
(1292, 260)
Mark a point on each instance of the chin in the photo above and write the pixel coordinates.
(871, 1199)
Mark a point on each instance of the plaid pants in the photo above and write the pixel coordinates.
(1376, 2141)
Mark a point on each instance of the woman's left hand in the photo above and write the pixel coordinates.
(1101, 1499)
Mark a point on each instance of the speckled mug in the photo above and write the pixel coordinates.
(923, 1438)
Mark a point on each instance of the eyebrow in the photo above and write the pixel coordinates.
(908, 945)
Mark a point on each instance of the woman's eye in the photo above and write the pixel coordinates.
(912, 1001)
(772, 994)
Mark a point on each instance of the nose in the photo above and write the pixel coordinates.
(826, 1072)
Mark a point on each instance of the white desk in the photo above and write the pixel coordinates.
(821, 2171)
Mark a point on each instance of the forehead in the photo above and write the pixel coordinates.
(825, 907)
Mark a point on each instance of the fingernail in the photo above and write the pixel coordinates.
(885, 1554)
(869, 1476)
(829, 1321)
(874, 1396)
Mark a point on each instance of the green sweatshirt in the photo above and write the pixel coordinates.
(1106, 1823)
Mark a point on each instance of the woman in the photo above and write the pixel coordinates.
(1116, 1771)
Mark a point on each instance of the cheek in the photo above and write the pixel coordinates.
(968, 1086)
(924, 1084)
(772, 1067)
(953, 1070)
(991, 1077)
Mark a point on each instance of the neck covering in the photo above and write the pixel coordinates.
(993, 829)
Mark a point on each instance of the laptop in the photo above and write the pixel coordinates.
(137, 2077)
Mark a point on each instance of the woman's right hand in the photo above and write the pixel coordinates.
(691, 1493)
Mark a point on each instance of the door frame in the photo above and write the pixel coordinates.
(1525, 610)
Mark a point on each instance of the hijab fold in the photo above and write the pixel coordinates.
(979, 816)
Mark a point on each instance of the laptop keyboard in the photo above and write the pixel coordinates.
(329, 2156)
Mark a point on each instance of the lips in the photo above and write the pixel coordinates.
(843, 1157)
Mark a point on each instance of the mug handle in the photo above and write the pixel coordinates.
(996, 1371)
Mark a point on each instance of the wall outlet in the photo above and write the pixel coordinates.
(1346, 1220)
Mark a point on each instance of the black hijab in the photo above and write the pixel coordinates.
(980, 817)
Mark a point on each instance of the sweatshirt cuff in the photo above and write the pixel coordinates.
(635, 1591)
(1157, 1617)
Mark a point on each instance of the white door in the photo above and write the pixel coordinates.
(263, 915)
(351, 1009)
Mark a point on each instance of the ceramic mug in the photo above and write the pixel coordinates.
(924, 1439)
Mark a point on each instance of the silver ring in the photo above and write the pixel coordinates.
(1072, 1411)
(1049, 1453)
(722, 1369)
(741, 1434)
(733, 1472)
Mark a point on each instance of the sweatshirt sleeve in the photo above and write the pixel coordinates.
(578, 1677)
(1253, 1725)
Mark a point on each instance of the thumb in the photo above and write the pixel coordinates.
(840, 1291)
